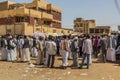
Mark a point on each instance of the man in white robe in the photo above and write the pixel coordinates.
(40, 57)
(25, 53)
(3, 48)
(34, 49)
(64, 52)
(111, 44)
(10, 46)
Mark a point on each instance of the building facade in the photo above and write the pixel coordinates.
(99, 30)
(82, 26)
(27, 18)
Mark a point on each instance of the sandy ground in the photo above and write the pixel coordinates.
(22, 71)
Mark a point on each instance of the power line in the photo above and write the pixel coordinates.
(117, 6)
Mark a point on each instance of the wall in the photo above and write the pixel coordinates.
(12, 29)
(27, 29)
(2, 29)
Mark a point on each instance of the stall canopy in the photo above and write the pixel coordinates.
(38, 34)
(52, 34)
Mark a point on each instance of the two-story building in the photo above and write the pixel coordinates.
(27, 18)
(82, 26)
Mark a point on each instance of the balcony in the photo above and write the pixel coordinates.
(47, 16)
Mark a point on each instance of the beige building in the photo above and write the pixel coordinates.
(99, 30)
(114, 32)
(27, 18)
(82, 26)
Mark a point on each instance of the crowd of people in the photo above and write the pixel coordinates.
(22, 48)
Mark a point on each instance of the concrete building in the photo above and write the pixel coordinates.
(99, 30)
(27, 18)
(82, 26)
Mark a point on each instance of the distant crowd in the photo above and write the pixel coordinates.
(22, 48)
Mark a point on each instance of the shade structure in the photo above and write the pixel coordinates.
(74, 34)
(52, 34)
(38, 34)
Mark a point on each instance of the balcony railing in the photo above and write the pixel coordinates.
(47, 16)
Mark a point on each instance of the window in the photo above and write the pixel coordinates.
(21, 19)
(26, 19)
(47, 23)
(77, 25)
(91, 30)
(101, 30)
(9, 19)
(35, 20)
(81, 25)
(80, 31)
(107, 30)
(96, 30)
(17, 19)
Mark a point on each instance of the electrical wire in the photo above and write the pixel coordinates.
(117, 6)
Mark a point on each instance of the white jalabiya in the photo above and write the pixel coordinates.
(31, 44)
(34, 52)
(11, 52)
(65, 57)
(4, 53)
(15, 50)
(111, 56)
(25, 55)
(11, 55)
(40, 57)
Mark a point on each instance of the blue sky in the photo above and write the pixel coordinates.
(103, 11)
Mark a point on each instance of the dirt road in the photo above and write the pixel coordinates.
(22, 71)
